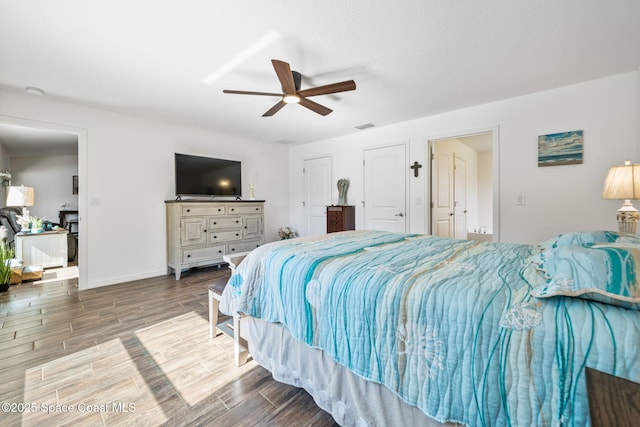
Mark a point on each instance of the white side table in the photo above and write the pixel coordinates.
(48, 249)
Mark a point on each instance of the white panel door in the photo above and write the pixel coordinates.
(318, 184)
(460, 197)
(442, 191)
(385, 174)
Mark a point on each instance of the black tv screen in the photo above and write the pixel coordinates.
(206, 176)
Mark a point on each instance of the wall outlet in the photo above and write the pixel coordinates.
(521, 200)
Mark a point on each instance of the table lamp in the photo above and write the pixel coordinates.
(623, 183)
(21, 196)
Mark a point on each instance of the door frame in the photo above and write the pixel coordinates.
(83, 143)
(495, 157)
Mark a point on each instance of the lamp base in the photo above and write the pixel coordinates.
(628, 217)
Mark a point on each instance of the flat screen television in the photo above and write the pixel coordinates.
(207, 176)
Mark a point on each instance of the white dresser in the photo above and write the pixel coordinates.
(200, 233)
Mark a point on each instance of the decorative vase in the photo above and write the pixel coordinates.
(343, 186)
(4, 287)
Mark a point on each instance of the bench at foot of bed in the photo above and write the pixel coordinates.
(231, 326)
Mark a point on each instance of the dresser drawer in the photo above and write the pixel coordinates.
(244, 209)
(207, 253)
(197, 209)
(224, 236)
(225, 222)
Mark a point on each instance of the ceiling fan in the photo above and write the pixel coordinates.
(290, 81)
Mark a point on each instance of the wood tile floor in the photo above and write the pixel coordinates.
(134, 354)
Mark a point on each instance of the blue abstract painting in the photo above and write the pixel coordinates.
(563, 148)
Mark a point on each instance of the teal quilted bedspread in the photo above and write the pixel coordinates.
(447, 325)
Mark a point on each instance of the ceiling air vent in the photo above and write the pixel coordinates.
(365, 126)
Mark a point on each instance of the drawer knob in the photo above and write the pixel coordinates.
(205, 231)
(232, 209)
(215, 237)
(188, 210)
(237, 221)
(189, 256)
(257, 209)
(233, 249)
(215, 223)
(237, 234)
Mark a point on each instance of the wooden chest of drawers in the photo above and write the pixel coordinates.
(341, 218)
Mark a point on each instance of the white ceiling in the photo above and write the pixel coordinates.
(410, 58)
(24, 141)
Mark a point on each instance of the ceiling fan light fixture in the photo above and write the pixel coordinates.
(291, 99)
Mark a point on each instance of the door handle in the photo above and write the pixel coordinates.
(450, 213)
(400, 214)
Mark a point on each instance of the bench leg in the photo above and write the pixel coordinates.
(240, 348)
(213, 314)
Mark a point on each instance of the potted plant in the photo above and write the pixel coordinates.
(36, 224)
(6, 255)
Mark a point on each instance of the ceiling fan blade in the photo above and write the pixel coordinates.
(314, 106)
(274, 109)
(244, 92)
(283, 71)
(327, 89)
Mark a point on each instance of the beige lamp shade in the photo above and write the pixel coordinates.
(623, 182)
(21, 196)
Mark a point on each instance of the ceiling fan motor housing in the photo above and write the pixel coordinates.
(297, 80)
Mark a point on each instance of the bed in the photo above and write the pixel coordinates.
(382, 328)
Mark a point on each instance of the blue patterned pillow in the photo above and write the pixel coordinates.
(607, 273)
(583, 238)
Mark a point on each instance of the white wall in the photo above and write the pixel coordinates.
(130, 172)
(51, 178)
(559, 199)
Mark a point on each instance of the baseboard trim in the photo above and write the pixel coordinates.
(123, 279)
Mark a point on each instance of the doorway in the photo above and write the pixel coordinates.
(51, 135)
(318, 178)
(464, 186)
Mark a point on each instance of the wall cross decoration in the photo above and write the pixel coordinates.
(416, 166)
